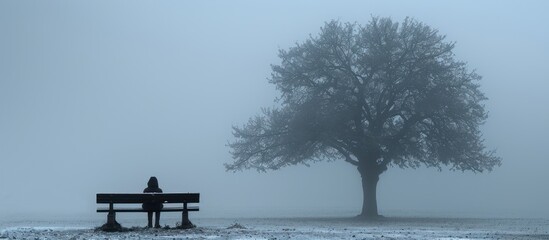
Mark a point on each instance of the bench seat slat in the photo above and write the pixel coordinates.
(165, 209)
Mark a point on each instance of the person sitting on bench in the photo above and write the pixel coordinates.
(152, 187)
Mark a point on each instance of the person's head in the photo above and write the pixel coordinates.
(153, 182)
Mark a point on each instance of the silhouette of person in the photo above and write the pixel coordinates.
(152, 187)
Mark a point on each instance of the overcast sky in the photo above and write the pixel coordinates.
(97, 96)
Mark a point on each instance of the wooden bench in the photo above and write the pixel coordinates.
(168, 199)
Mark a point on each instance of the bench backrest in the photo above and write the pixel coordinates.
(148, 197)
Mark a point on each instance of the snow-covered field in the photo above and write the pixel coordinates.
(294, 228)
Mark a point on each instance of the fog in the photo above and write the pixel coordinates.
(97, 96)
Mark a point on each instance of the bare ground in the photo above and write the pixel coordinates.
(308, 228)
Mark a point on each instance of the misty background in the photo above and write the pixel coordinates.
(99, 96)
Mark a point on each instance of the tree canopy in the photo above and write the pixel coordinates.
(380, 95)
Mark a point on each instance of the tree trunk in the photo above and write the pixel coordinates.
(369, 172)
(369, 191)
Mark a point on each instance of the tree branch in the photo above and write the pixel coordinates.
(343, 152)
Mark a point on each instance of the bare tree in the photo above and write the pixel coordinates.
(385, 94)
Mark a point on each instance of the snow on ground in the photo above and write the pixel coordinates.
(300, 228)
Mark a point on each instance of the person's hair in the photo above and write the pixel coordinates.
(153, 182)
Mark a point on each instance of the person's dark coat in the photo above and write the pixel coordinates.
(152, 187)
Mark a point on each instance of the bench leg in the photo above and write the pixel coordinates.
(111, 218)
(185, 222)
(111, 225)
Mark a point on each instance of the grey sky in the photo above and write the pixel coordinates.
(97, 96)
